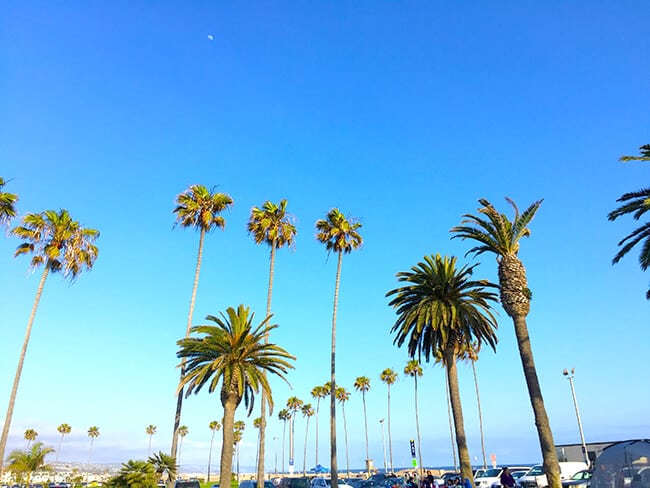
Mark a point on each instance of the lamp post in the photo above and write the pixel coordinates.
(570, 375)
(383, 443)
(275, 443)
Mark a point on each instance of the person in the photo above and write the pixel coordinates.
(507, 481)
(428, 481)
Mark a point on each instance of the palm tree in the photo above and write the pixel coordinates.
(318, 392)
(414, 370)
(93, 432)
(164, 465)
(135, 474)
(235, 355)
(257, 423)
(451, 426)
(294, 404)
(150, 430)
(62, 246)
(440, 311)
(29, 460)
(63, 429)
(182, 432)
(270, 224)
(495, 233)
(389, 377)
(284, 415)
(214, 427)
(7, 204)
(635, 203)
(307, 412)
(30, 435)
(340, 235)
(362, 384)
(237, 436)
(342, 395)
(471, 355)
(196, 207)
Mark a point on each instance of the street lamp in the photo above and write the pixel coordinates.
(570, 375)
(383, 442)
(275, 442)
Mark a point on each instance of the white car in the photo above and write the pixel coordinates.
(485, 478)
(516, 474)
(536, 478)
(327, 483)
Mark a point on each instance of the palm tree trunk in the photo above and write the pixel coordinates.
(292, 459)
(59, 449)
(333, 462)
(480, 415)
(304, 455)
(390, 438)
(549, 455)
(19, 369)
(365, 419)
(457, 409)
(417, 423)
(262, 436)
(210, 454)
(179, 398)
(149, 450)
(317, 409)
(227, 448)
(451, 427)
(284, 435)
(345, 431)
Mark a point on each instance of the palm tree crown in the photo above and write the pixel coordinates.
(271, 224)
(200, 208)
(7, 204)
(30, 460)
(338, 233)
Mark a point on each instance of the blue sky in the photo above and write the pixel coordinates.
(401, 114)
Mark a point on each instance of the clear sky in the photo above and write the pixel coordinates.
(402, 114)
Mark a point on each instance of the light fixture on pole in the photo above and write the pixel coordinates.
(383, 442)
(570, 375)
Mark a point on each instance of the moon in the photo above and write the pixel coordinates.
(210, 37)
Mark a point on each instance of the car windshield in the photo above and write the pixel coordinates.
(518, 474)
(489, 473)
(535, 471)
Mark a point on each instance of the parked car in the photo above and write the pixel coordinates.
(484, 478)
(536, 478)
(319, 482)
(516, 474)
(582, 479)
(302, 482)
(187, 484)
(253, 484)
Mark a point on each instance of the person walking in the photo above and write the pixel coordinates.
(507, 481)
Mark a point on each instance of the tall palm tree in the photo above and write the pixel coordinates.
(307, 412)
(451, 426)
(318, 392)
(342, 395)
(471, 355)
(7, 204)
(30, 460)
(414, 370)
(294, 404)
(214, 427)
(440, 311)
(30, 435)
(237, 436)
(150, 430)
(340, 235)
(182, 432)
(284, 415)
(270, 224)
(61, 245)
(164, 466)
(497, 234)
(63, 429)
(199, 208)
(93, 433)
(257, 423)
(233, 355)
(389, 377)
(362, 384)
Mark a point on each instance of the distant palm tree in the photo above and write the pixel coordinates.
(232, 354)
(196, 207)
(164, 466)
(62, 246)
(414, 370)
(30, 460)
(284, 415)
(342, 395)
(440, 311)
(150, 430)
(257, 423)
(307, 412)
(214, 427)
(182, 432)
(340, 235)
(63, 429)
(237, 436)
(30, 435)
(495, 233)
(389, 377)
(93, 433)
(362, 384)
(318, 392)
(294, 404)
(471, 355)
(452, 434)
(270, 224)
(7, 204)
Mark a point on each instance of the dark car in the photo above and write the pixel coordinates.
(253, 484)
(582, 479)
(186, 484)
(302, 482)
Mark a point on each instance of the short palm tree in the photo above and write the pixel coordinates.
(237, 436)
(362, 384)
(635, 203)
(342, 395)
(61, 245)
(7, 204)
(232, 356)
(307, 412)
(440, 311)
(199, 208)
(414, 370)
(150, 430)
(214, 427)
(496, 233)
(340, 234)
(30, 436)
(135, 474)
(285, 416)
(182, 432)
(93, 433)
(30, 460)
(272, 225)
(63, 429)
(318, 392)
(294, 404)
(164, 466)
(389, 377)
